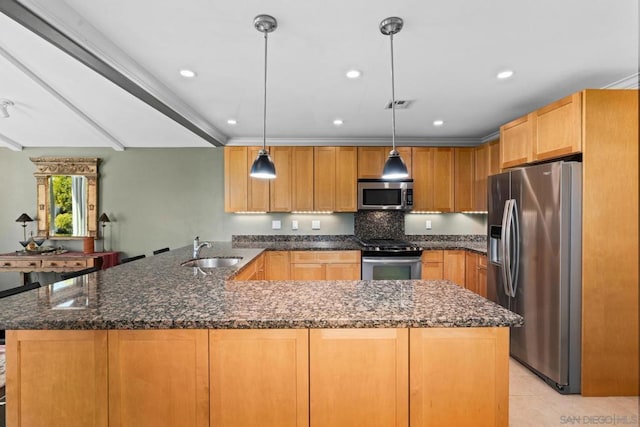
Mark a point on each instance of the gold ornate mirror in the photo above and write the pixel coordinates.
(67, 193)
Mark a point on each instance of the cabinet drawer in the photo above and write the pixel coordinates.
(432, 256)
(20, 264)
(324, 257)
(74, 263)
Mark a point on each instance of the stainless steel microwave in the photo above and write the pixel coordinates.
(380, 194)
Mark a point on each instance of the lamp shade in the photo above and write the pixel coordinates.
(263, 166)
(394, 167)
(104, 218)
(24, 218)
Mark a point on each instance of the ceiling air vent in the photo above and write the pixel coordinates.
(400, 104)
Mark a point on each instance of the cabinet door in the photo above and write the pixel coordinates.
(432, 265)
(464, 179)
(478, 375)
(433, 179)
(443, 180)
(494, 157)
(454, 267)
(249, 271)
(259, 377)
(324, 178)
(257, 189)
(371, 161)
(359, 377)
(482, 281)
(57, 378)
(307, 272)
(516, 139)
(236, 175)
(302, 179)
(406, 154)
(558, 128)
(346, 198)
(280, 187)
(342, 271)
(277, 265)
(481, 171)
(158, 377)
(471, 267)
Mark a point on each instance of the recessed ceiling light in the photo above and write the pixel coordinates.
(232, 121)
(505, 74)
(187, 73)
(338, 122)
(353, 74)
(438, 122)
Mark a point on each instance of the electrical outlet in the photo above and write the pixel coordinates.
(315, 224)
(428, 224)
(276, 224)
(294, 224)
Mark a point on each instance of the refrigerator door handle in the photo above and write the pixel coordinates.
(505, 247)
(515, 262)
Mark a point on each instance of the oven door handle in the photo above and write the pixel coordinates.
(391, 260)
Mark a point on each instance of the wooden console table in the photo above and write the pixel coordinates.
(56, 263)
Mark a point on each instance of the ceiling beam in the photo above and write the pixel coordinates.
(43, 28)
(10, 143)
(115, 143)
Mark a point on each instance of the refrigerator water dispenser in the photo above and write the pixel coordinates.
(495, 248)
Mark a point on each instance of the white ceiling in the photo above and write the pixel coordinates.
(446, 60)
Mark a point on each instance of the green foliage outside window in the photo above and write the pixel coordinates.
(63, 220)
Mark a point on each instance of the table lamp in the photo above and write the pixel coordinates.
(103, 221)
(24, 219)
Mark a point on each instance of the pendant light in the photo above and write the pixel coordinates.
(263, 166)
(394, 167)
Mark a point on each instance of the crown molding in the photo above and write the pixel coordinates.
(629, 82)
(365, 142)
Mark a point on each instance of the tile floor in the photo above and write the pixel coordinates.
(533, 403)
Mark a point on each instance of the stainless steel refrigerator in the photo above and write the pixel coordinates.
(534, 247)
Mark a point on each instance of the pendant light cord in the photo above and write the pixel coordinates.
(393, 100)
(264, 121)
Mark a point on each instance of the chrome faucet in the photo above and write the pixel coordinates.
(197, 246)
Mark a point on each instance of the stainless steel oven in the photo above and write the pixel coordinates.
(390, 260)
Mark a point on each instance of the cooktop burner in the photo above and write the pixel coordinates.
(394, 245)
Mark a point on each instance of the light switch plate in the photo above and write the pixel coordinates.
(315, 224)
(294, 224)
(428, 224)
(276, 224)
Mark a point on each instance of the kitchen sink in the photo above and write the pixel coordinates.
(212, 262)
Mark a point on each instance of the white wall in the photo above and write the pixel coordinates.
(166, 197)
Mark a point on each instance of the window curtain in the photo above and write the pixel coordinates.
(78, 194)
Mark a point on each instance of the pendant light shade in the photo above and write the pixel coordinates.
(394, 167)
(263, 166)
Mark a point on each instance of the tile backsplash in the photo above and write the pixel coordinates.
(379, 224)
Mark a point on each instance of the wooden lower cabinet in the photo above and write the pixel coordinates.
(459, 377)
(325, 265)
(432, 265)
(252, 271)
(482, 276)
(345, 271)
(57, 378)
(471, 271)
(266, 377)
(358, 377)
(307, 272)
(277, 265)
(454, 267)
(158, 378)
(259, 377)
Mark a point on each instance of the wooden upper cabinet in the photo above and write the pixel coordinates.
(324, 189)
(280, 187)
(258, 189)
(516, 139)
(302, 179)
(481, 171)
(371, 160)
(346, 194)
(241, 192)
(433, 180)
(236, 175)
(494, 157)
(464, 179)
(558, 128)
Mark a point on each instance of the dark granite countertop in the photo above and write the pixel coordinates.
(156, 292)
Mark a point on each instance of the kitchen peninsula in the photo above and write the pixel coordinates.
(164, 344)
